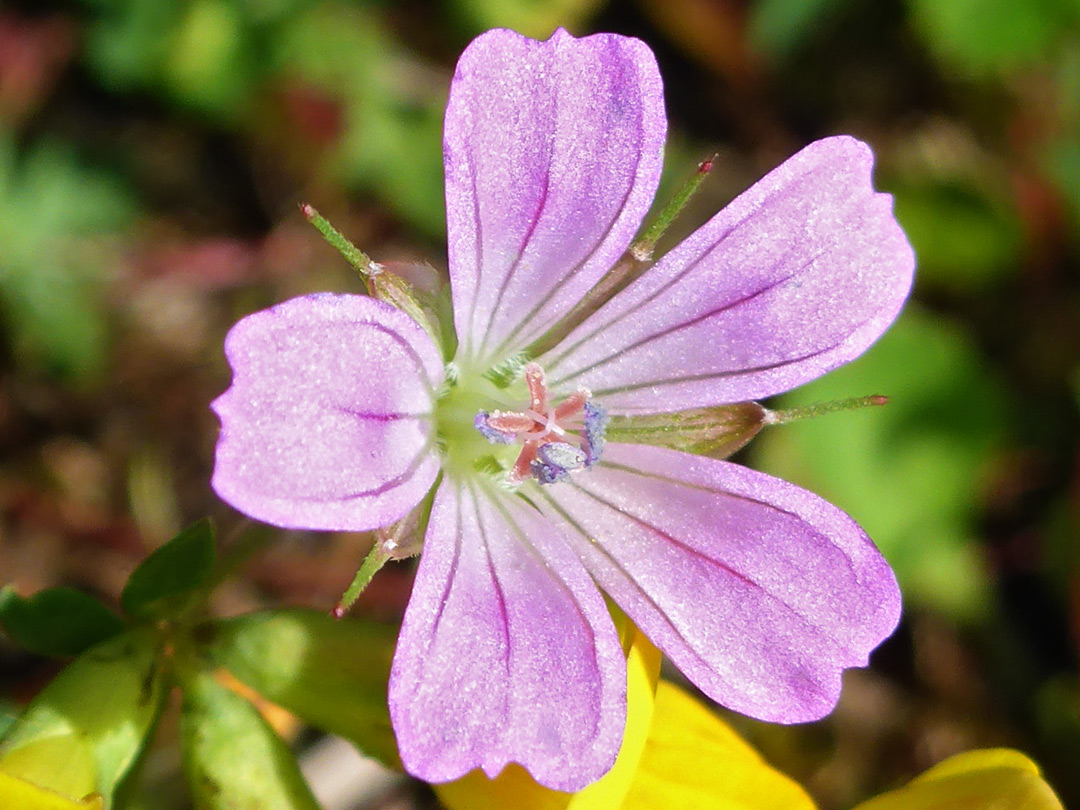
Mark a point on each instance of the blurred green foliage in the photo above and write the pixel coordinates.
(221, 729)
(980, 37)
(964, 238)
(391, 108)
(333, 673)
(57, 621)
(85, 730)
(51, 205)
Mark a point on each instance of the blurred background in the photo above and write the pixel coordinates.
(152, 155)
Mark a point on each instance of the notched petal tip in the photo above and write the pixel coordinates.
(800, 274)
(507, 652)
(327, 423)
(787, 590)
(552, 152)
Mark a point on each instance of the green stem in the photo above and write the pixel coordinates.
(378, 282)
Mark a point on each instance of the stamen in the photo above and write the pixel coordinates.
(549, 435)
(534, 378)
(596, 421)
(573, 404)
(555, 461)
(493, 434)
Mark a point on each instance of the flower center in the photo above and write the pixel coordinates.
(556, 440)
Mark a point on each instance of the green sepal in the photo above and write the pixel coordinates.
(628, 269)
(169, 581)
(83, 733)
(232, 757)
(387, 282)
(717, 432)
(330, 672)
(60, 622)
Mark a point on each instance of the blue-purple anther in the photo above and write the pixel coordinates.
(596, 421)
(493, 435)
(555, 461)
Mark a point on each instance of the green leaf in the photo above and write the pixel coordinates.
(233, 759)
(778, 28)
(62, 764)
(331, 672)
(985, 37)
(83, 733)
(167, 581)
(58, 621)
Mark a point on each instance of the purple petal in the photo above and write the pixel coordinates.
(507, 652)
(328, 423)
(759, 591)
(797, 276)
(553, 152)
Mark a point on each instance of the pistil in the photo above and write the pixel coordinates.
(556, 440)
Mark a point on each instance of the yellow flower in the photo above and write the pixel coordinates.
(678, 754)
(18, 793)
(988, 779)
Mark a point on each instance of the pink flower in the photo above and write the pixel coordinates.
(343, 415)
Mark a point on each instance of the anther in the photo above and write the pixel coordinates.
(556, 440)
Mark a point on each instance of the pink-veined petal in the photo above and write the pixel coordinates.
(798, 275)
(328, 422)
(553, 152)
(507, 652)
(759, 591)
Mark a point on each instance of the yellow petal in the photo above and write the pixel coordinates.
(694, 760)
(514, 788)
(63, 763)
(989, 779)
(23, 795)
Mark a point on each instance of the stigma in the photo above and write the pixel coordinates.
(556, 440)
